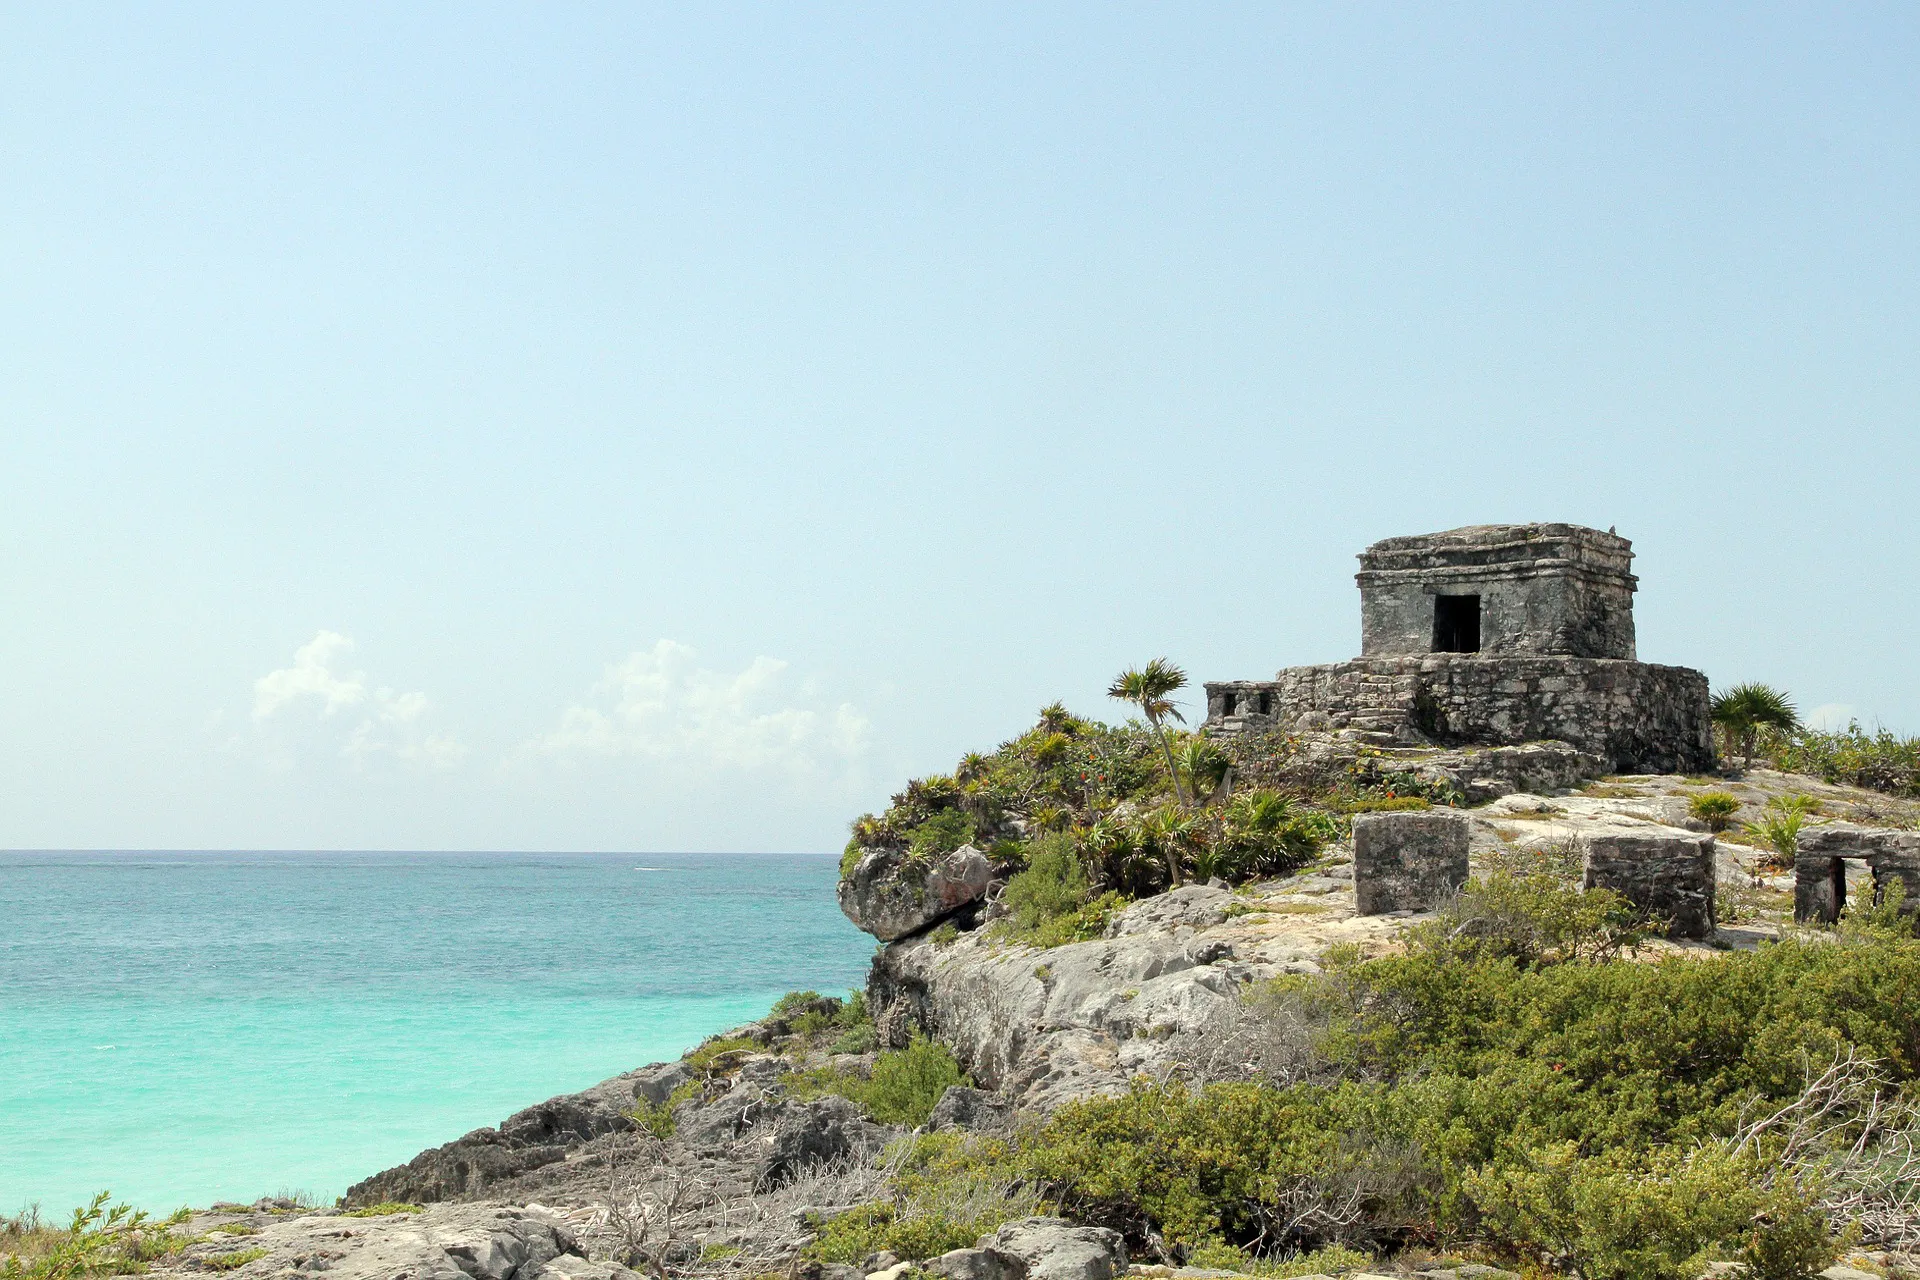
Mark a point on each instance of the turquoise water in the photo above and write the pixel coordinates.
(186, 1027)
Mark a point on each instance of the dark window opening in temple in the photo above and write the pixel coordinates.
(1226, 703)
(1839, 874)
(1456, 624)
(1266, 704)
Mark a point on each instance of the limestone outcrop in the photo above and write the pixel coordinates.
(445, 1242)
(892, 894)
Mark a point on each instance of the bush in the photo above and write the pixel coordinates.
(1084, 925)
(98, 1240)
(1053, 884)
(233, 1261)
(1880, 761)
(941, 834)
(384, 1209)
(1715, 808)
(1650, 1216)
(902, 1088)
(947, 1190)
(1516, 1084)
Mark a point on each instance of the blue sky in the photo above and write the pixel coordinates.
(578, 427)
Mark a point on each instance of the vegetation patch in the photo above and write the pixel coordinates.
(386, 1208)
(232, 1261)
(902, 1088)
(944, 1191)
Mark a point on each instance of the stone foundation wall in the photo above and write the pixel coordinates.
(1669, 876)
(1637, 716)
(1408, 861)
(1819, 872)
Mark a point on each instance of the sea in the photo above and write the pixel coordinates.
(179, 1028)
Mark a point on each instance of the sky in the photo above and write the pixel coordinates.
(586, 427)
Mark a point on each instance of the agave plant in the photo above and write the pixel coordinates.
(1171, 830)
(1055, 718)
(1778, 830)
(1746, 709)
(1203, 765)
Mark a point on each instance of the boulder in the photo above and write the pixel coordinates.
(811, 1133)
(963, 1108)
(446, 1242)
(1055, 1249)
(890, 894)
(977, 1264)
(655, 1084)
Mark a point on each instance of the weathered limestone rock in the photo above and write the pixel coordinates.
(891, 895)
(977, 1264)
(530, 1139)
(811, 1133)
(1667, 873)
(446, 1242)
(1819, 867)
(963, 1108)
(1054, 1249)
(1408, 861)
(1040, 1027)
(655, 1084)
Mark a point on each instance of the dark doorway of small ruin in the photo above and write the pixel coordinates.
(1839, 873)
(1456, 624)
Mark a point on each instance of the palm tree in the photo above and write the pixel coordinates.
(1744, 710)
(1149, 688)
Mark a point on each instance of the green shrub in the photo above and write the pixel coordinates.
(902, 1088)
(1385, 804)
(907, 1082)
(948, 1191)
(383, 1209)
(1777, 831)
(1053, 884)
(1332, 1260)
(719, 1055)
(656, 1118)
(1533, 920)
(1715, 808)
(1462, 1071)
(860, 1038)
(1650, 1215)
(940, 834)
(1084, 925)
(233, 1261)
(98, 1240)
(1880, 761)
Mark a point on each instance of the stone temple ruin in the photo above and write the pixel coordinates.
(1492, 635)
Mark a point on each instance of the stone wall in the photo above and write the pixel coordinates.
(1668, 874)
(1819, 867)
(1408, 861)
(1556, 589)
(1638, 717)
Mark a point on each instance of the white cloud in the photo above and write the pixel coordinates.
(1831, 717)
(380, 721)
(661, 704)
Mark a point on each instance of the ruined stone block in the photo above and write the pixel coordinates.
(1667, 874)
(1407, 861)
(1820, 874)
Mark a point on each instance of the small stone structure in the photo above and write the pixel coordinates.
(1492, 635)
(1408, 861)
(1820, 867)
(1667, 874)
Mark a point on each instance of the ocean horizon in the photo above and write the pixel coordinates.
(182, 1026)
